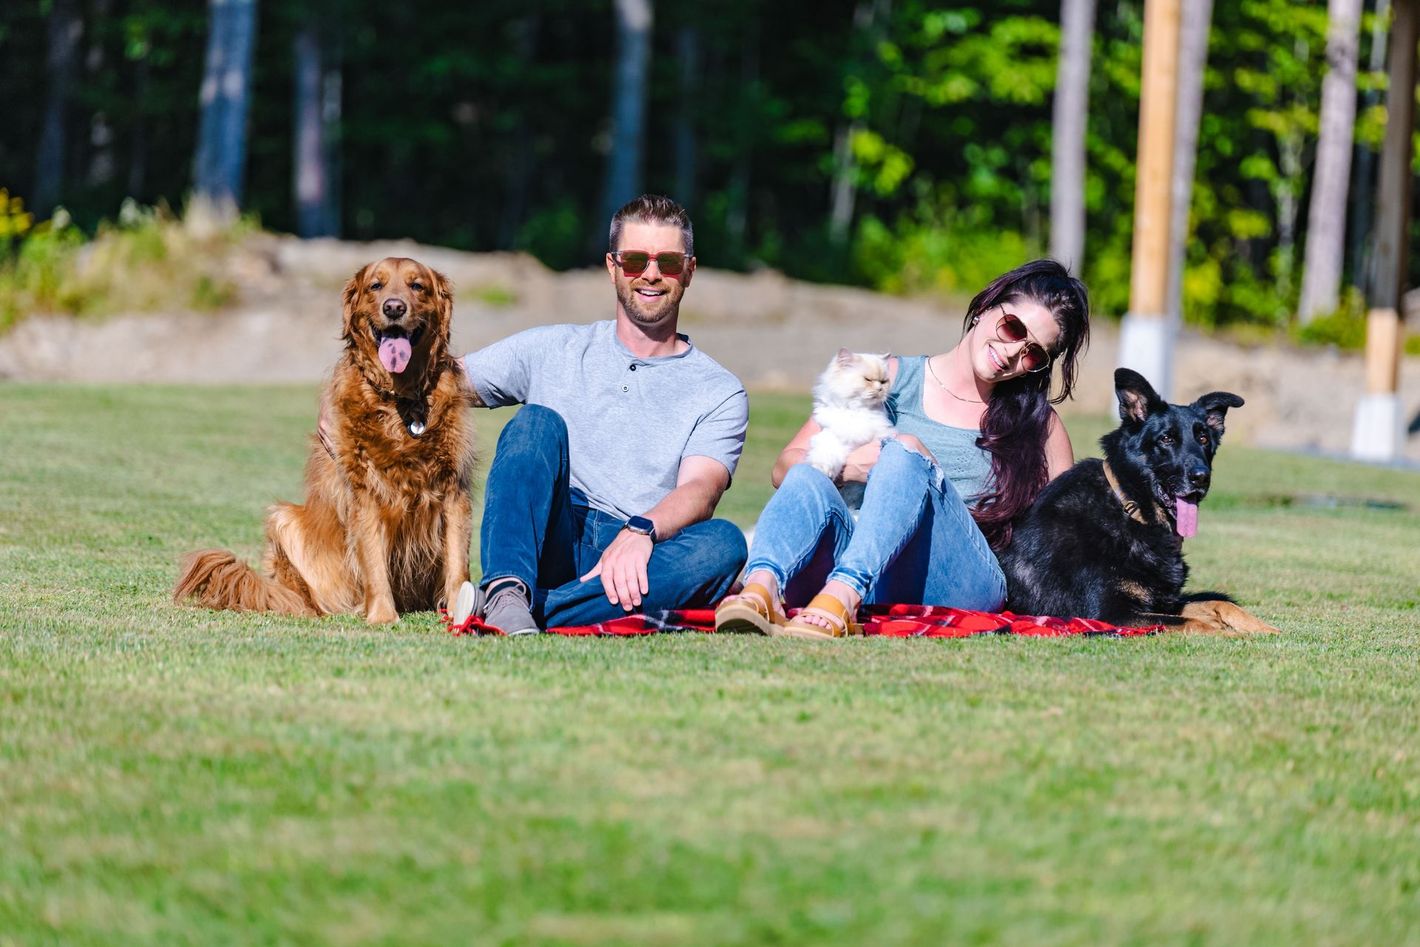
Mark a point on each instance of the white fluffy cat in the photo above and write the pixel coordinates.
(850, 405)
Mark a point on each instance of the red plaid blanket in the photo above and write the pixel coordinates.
(890, 621)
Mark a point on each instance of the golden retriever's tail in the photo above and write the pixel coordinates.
(217, 579)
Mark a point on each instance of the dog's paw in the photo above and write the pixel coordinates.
(1245, 623)
(1225, 620)
(382, 614)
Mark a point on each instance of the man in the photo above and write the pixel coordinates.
(600, 496)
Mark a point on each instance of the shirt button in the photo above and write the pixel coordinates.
(633, 368)
(624, 388)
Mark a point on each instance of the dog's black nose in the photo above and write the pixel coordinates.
(395, 308)
(1199, 477)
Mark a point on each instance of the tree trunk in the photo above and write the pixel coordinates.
(1362, 196)
(1326, 218)
(65, 27)
(522, 163)
(331, 87)
(737, 193)
(688, 48)
(843, 193)
(1192, 62)
(226, 81)
(628, 97)
(138, 136)
(100, 163)
(1072, 100)
(311, 182)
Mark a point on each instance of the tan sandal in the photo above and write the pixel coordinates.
(751, 612)
(834, 613)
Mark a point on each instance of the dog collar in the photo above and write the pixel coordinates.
(1130, 507)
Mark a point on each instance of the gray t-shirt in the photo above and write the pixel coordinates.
(630, 420)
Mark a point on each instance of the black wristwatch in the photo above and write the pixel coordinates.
(642, 525)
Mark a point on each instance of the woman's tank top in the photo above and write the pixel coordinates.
(967, 466)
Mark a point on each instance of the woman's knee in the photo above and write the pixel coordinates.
(900, 460)
(809, 480)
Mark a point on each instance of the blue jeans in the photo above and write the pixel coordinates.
(537, 530)
(915, 541)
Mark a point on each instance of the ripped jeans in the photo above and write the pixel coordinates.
(914, 542)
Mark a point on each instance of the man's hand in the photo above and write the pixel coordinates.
(622, 568)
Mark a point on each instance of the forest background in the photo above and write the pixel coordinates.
(893, 144)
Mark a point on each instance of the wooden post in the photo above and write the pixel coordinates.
(1378, 432)
(1146, 337)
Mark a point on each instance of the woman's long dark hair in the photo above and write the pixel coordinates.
(1017, 419)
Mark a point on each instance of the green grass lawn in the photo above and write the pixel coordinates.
(169, 775)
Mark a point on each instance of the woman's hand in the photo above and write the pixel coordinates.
(862, 460)
(856, 467)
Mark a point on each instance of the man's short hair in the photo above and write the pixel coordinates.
(652, 209)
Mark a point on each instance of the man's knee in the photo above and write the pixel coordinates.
(719, 547)
(533, 424)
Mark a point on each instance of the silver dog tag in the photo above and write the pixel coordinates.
(416, 428)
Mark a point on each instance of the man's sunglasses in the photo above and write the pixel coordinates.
(634, 262)
(1011, 329)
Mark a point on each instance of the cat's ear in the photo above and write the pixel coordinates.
(844, 357)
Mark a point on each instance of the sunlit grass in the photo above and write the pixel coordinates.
(174, 775)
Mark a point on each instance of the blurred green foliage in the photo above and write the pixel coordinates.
(926, 127)
(144, 260)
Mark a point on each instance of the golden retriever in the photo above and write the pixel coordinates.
(387, 519)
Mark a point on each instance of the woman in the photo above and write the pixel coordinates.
(977, 441)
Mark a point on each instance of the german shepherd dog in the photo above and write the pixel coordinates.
(1105, 539)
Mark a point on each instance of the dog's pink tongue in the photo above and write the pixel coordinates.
(1185, 517)
(394, 355)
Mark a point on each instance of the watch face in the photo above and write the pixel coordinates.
(640, 524)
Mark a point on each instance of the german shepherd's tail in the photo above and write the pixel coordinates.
(216, 578)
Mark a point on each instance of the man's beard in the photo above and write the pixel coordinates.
(633, 305)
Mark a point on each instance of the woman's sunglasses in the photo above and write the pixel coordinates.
(634, 262)
(1011, 329)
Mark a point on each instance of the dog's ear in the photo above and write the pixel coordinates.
(352, 292)
(442, 286)
(1137, 398)
(1215, 405)
(444, 293)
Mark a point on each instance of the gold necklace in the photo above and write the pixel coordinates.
(942, 385)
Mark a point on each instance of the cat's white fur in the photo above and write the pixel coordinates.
(850, 405)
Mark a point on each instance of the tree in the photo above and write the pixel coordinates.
(1363, 167)
(1326, 218)
(688, 82)
(1067, 152)
(1192, 63)
(65, 26)
(221, 137)
(628, 97)
(316, 114)
(844, 190)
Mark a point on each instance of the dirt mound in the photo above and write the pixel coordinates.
(771, 331)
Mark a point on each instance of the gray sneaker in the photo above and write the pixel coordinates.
(506, 609)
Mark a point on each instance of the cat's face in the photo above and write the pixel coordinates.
(857, 378)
